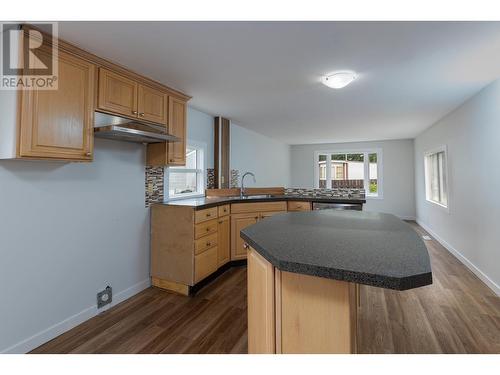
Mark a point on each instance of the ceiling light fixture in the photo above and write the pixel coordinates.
(339, 79)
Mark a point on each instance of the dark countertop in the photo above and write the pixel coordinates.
(207, 202)
(361, 247)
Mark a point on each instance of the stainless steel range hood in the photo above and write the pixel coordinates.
(123, 129)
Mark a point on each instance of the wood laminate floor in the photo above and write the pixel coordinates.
(457, 314)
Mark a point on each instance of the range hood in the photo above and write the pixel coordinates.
(124, 129)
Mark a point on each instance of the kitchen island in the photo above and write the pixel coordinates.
(304, 270)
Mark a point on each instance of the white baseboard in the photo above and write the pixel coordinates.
(59, 328)
(482, 276)
(412, 218)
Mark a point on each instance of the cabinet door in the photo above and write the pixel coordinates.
(176, 151)
(205, 264)
(152, 104)
(224, 241)
(261, 311)
(298, 206)
(117, 94)
(239, 222)
(263, 215)
(59, 123)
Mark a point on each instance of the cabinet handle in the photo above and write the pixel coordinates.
(141, 114)
(134, 112)
(220, 221)
(256, 218)
(208, 215)
(245, 246)
(88, 154)
(209, 243)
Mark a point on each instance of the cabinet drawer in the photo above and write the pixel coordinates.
(205, 264)
(205, 228)
(299, 206)
(205, 215)
(224, 210)
(205, 243)
(257, 207)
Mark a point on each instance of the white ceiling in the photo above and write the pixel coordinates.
(265, 76)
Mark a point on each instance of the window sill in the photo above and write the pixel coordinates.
(190, 196)
(374, 197)
(438, 205)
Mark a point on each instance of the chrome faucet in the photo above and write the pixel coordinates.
(242, 190)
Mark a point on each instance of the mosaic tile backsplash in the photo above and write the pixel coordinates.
(210, 178)
(327, 193)
(154, 185)
(235, 177)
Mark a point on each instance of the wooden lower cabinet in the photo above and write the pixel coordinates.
(205, 264)
(292, 313)
(246, 214)
(263, 215)
(298, 206)
(223, 241)
(187, 245)
(239, 222)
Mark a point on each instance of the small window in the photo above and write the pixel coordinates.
(373, 174)
(188, 180)
(357, 170)
(436, 184)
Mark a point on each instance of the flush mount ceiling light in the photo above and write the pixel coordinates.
(338, 80)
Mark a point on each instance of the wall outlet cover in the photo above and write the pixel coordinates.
(104, 297)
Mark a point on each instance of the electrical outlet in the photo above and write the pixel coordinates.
(150, 188)
(104, 297)
(426, 238)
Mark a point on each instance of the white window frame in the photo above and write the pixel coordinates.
(442, 148)
(365, 152)
(202, 158)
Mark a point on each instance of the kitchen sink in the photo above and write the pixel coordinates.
(257, 196)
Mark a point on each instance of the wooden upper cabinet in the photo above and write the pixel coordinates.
(59, 123)
(152, 104)
(124, 96)
(177, 115)
(171, 153)
(117, 93)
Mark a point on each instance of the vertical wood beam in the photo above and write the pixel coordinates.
(221, 152)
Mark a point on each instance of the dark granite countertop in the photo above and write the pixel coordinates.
(207, 202)
(361, 247)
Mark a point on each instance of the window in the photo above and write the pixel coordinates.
(436, 182)
(356, 169)
(188, 180)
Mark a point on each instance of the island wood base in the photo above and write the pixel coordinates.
(295, 313)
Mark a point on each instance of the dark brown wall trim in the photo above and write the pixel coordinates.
(221, 152)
